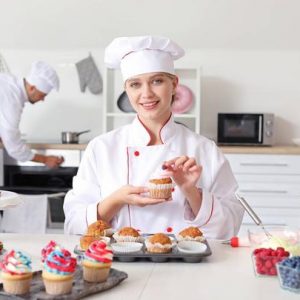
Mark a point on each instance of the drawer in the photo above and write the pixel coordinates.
(266, 201)
(271, 216)
(264, 164)
(276, 189)
(266, 178)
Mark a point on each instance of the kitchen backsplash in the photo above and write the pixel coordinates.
(231, 81)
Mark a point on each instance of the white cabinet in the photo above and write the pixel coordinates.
(113, 117)
(1, 167)
(271, 185)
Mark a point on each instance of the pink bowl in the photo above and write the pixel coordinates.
(184, 100)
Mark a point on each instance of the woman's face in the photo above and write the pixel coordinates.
(151, 95)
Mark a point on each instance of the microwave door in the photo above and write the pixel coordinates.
(260, 124)
(240, 129)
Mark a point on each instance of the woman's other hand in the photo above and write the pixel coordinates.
(184, 170)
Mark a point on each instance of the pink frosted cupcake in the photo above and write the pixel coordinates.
(97, 262)
(51, 246)
(58, 272)
(16, 273)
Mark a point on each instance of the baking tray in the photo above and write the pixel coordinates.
(80, 288)
(143, 255)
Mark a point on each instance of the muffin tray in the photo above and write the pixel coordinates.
(144, 255)
(80, 288)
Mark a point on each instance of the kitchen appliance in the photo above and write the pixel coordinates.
(71, 137)
(246, 129)
(37, 180)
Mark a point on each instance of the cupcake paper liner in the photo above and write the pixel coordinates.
(189, 238)
(160, 191)
(127, 238)
(126, 247)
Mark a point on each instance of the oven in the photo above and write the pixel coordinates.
(33, 179)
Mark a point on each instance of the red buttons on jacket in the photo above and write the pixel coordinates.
(136, 153)
(173, 189)
(169, 229)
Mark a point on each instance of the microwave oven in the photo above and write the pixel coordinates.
(246, 129)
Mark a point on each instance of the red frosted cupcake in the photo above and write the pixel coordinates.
(97, 262)
(58, 272)
(16, 273)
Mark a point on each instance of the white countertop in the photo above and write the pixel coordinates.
(227, 274)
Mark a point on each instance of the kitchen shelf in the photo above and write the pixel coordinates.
(113, 117)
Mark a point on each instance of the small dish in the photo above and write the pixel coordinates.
(296, 141)
(282, 236)
(289, 274)
(126, 247)
(191, 247)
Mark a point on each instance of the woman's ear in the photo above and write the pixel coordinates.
(175, 84)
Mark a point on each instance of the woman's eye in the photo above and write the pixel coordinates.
(134, 84)
(157, 81)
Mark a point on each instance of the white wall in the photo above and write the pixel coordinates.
(249, 52)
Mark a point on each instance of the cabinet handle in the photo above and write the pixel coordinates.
(264, 191)
(263, 165)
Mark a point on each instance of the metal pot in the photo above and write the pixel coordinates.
(71, 137)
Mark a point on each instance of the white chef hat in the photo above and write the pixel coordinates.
(142, 54)
(43, 77)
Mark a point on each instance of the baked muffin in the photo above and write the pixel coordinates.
(158, 243)
(127, 234)
(191, 234)
(99, 228)
(160, 188)
(86, 240)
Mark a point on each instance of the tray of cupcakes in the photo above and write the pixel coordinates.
(129, 245)
(61, 276)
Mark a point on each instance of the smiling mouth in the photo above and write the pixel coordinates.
(150, 105)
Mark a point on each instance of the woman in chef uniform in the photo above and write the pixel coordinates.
(113, 174)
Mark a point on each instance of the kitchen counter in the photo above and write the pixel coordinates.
(227, 274)
(286, 149)
(283, 149)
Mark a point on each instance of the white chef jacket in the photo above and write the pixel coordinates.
(122, 157)
(12, 100)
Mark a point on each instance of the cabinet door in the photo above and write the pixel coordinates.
(264, 164)
(270, 184)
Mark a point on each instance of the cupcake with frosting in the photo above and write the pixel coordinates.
(51, 246)
(160, 185)
(16, 272)
(97, 262)
(58, 272)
